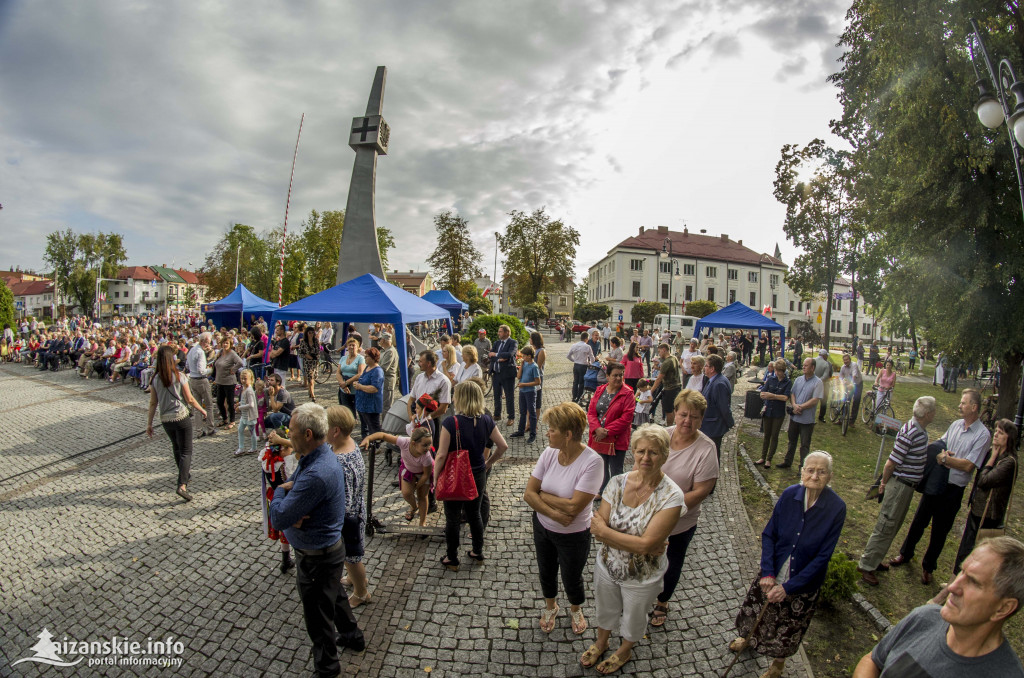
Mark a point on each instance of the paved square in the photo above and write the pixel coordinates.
(98, 545)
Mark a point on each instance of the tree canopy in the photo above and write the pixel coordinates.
(645, 311)
(456, 260)
(937, 189)
(6, 305)
(79, 258)
(539, 255)
(699, 308)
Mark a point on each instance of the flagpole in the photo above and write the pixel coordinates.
(287, 204)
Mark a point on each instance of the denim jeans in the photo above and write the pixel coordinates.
(244, 424)
(578, 372)
(277, 419)
(528, 412)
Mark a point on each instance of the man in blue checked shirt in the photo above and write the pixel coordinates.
(311, 512)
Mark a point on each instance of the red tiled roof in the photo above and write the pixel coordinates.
(31, 287)
(684, 243)
(136, 273)
(188, 276)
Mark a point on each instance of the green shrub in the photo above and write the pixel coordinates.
(491, 323)
(840, 580)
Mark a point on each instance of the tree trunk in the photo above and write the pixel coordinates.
(913, 329)
(825, 340)
(1009, 384)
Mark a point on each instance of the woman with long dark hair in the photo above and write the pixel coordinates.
(539, 358)
(309, 351)
(170, 392)
(634, 365)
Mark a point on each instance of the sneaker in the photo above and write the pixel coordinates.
(531, 439)
(240, 452)
(517, 434)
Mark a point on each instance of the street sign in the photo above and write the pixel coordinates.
(888, 422)
(620, 317)
(19, 305)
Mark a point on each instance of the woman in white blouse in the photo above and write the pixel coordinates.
(637, 514)
(470, 368)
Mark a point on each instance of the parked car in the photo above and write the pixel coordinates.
(580, 328)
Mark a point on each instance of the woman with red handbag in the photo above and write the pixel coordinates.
(460, 468)
(611, 421)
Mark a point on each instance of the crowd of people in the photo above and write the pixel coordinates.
(642, 519)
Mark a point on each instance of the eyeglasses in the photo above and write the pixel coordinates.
(816, 471)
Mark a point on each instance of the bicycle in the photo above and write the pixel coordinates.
(840, 410)
(326, 367)
(873, 406)
(899, 366)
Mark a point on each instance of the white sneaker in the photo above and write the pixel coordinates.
(240, 452)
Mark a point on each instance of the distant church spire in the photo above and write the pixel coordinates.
(778, 252)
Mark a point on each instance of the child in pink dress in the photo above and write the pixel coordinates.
(415, 470)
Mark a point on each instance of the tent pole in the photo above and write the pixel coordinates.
(403, 355)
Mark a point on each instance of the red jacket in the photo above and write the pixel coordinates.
(618, 420)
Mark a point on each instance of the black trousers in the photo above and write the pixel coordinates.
(970, 537)
(613, 465)
(504, 385)
(717, 440)
(802, 433)
(453, 517)
(772, 428)
(369, 423)
(940, 510)
(566, 552)
(226, 402)
(180, 433)
(578, 372)
(676, 552)
(329, 619)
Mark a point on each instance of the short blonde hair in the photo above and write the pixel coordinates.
(469, 354)
(468, 399)
(245, 372)
(652, 433)
(567, 417)
(692, 398)
(341, 417)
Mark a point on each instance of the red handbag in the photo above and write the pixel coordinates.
(456, 481)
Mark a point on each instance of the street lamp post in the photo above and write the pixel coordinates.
(673, 272)
(992, 112)
(238, 254)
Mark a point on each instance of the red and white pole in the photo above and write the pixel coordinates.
(287, 204)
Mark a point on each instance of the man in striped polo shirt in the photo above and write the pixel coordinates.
(905, 466)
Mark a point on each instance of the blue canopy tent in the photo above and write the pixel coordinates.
(366, 299)
(448, 302)
(737, 316)
(238, 307)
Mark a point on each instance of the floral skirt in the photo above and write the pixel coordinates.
(783, 625)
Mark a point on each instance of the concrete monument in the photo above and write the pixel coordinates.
(358, 253)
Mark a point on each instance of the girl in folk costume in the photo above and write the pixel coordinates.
(426, 405)
(277, 464)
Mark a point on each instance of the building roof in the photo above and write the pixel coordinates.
(684, 243)
(188, 276)
(31, 287)
(136, 273)
(168, 274)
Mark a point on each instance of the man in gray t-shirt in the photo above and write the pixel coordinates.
(963, 637)
(807, 391)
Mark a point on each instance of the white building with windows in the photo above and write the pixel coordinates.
(677, 267)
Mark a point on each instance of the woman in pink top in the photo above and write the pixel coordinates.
(692, 464)
(561, 491)
(886, 379)
(634, 366)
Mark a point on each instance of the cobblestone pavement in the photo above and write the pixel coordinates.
(98, 545)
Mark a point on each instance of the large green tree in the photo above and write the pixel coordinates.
(645, 311)
(6, 305)
(78, 259)
(938, 189)
(819, 217)
(539, 255)
(455, 260)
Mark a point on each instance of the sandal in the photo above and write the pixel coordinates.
(612, 664)
(579, 622)
(660, 614)
(355, 601)
(547, 619)
(738, 645)
(409, 515)
(759, 462)
(475, 557)
(454, 567)
(590, 657)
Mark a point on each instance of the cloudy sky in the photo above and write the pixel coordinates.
(169, 121)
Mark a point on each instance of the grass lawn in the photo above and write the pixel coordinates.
(829, 643)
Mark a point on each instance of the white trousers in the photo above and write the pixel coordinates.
(624, 604)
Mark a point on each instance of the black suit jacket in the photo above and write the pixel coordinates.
(505, 352)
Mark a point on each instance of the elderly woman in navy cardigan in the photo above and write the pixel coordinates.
(796, 547)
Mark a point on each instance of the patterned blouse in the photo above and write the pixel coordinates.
(355, 491)
(625, 566)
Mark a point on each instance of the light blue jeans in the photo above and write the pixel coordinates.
(244, 424)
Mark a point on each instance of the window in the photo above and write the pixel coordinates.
(836, 325)
(711, 271)
(689, 293)
(611, 289)
(732, 296)
(117, 294)
(156, 294)
(613, 266)
(636, 288)
(753, 299)
(775, 301)
(711, 294)
(837, 304)
(689, 269)
(790, 306)
(752, 276)
(773, 280)
(732, 274)
(665, 266)
(145, 295)
(865, 328)
(562, 302)
(664, 290)
(636, 264)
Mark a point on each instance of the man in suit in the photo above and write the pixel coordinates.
(503, 372)
(718, 392)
